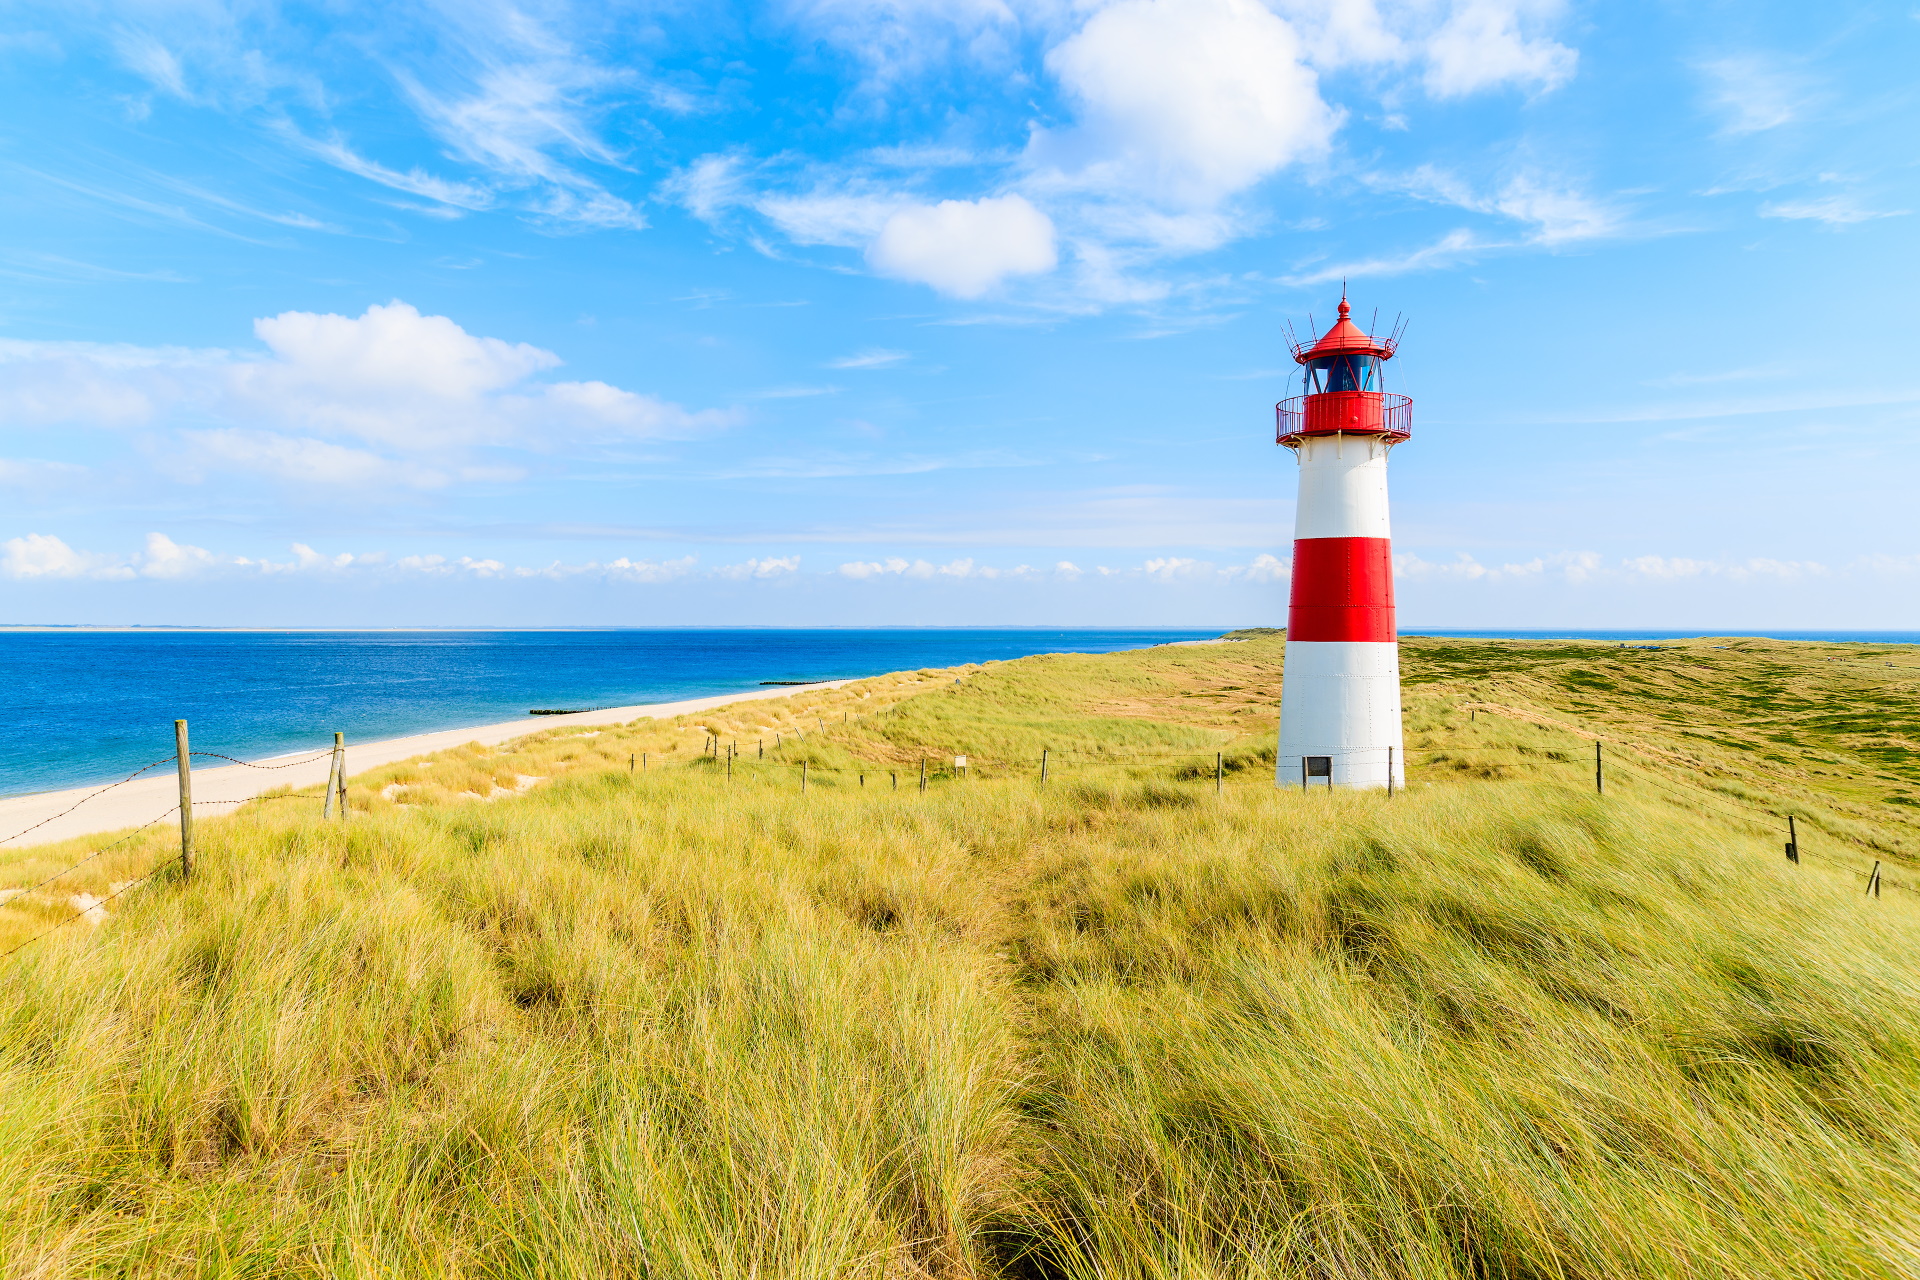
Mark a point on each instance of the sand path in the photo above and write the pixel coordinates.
(155, 793)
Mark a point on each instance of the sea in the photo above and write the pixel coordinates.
(80, 706)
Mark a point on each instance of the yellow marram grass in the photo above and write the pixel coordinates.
(1121, 1026)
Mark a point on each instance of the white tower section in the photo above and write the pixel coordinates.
(1340, 697)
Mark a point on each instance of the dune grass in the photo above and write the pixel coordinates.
(662, 1024)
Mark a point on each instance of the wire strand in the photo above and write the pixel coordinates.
(215, 755)
(103, 902)
(82, 800)
(97, 852)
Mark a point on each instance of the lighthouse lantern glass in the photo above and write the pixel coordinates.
(1343, 373)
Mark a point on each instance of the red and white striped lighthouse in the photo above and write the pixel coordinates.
(1340, 691)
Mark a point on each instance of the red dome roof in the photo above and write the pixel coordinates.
(1345, 338)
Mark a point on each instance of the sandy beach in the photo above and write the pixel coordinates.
(44, 817)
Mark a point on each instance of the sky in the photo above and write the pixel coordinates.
(949, 312)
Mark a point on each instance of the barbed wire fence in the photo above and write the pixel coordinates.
(182, 761)
(1638, 767)
(726, 755)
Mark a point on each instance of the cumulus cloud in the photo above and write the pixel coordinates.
(1487, 44)
(1183, 102)
(1158, 120)
(41, 555)
(771, 567)
(924, 570)
(965, 247)
(388, 399)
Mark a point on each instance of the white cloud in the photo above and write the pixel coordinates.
(620, 570)
(1182, 102)
(391, 398)
(965, 247)
(1590, 567)
(1753, 92)
(848, 219)
(710, 186)
(518, 113)
(1339, 33)
(1554, 211)
(1679, 567)
(1486, 44)
(461, 196)
(153, 61)
(166, 558)
(36, 473)
(1456, 246)
(305, 461)
(771, 567)
(1168, 113)
(1266, 568)
(1551, 214)
(899, 567)
(1557, 214)
(870, 358)
(625, 570)
(41, 555)
(1835, 211)
(441, 566)
(898, 38)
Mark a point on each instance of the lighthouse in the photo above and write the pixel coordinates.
(1340, 691)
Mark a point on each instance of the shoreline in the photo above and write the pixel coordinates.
(129, 804)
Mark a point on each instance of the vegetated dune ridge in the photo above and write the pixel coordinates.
(664, 1024)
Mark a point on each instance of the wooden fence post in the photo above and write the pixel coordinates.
(333, 777)
(1389, 773)
(340, 744)
(1219, 771)
(1043, 765)
(923, 773)
(803, 777)
(186, 798)
(1793, 841)
(1599, 771)
(1873, 879)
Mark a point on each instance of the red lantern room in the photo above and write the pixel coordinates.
(1344, 374)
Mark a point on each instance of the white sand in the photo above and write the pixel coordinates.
(153, 794)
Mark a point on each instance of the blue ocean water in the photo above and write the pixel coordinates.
(78, 707)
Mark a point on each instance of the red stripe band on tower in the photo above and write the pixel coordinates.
(1342, 590)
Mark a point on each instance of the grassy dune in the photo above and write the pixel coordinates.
(530, 1014)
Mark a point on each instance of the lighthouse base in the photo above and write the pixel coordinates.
(1340, 715)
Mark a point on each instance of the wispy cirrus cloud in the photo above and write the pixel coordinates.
(1833, 210)
(869, 358)
(1753, 92)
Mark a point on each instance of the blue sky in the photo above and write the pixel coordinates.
(964, 311)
